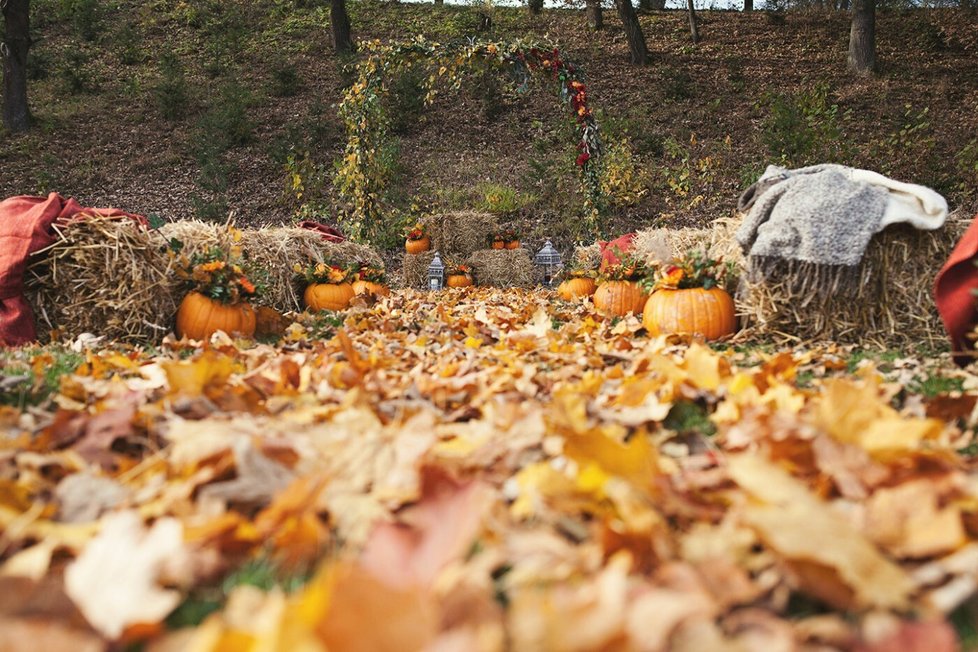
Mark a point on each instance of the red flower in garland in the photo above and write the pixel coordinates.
(583, 158)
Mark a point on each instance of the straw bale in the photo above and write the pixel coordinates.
(106, 276)
(274, 250)
(890, 305)
(503, 268)
(459, 233)
(414, 270)
(658, 245)
(586, 257)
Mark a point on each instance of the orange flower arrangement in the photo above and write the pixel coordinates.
(218, 274)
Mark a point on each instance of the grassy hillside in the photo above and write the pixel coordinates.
(194, 108)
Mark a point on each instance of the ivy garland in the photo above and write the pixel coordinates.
(360, 177)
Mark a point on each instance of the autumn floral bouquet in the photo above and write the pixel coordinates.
(457, 269)
(415, 233)
(371, 274)
(694, 269)
(628, 268)
(324, 272)
(222, 275)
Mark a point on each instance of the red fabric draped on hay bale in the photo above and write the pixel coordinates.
(954, 293)
(25, 228)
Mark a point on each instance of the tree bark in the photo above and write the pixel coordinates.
(439, 2)
(633, 32)
(340, 24)
(657, 5)
(13, 50)
(645, 5)
(862, 37)
(694, 30)
(536, 6)
(748, 5)
(595, 15)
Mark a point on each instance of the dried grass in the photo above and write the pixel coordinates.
(274, 250)
(460, 233)
(586, 257)
(503, 268)
(654, 246)
(891, 305)
(107, 276)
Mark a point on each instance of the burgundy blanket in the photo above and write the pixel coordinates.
(954, 294)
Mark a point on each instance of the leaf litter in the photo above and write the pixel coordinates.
(492, 470)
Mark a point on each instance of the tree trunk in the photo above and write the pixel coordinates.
(862, 37)
(340, 23)
(13, 49)
(536, 6)
(645, 5)
(748, 5)
(694, 31)
(633, 32)
(657, 5)
(439, 2)
(595, 15)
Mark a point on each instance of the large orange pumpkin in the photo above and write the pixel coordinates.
(709, 313)
(573, 288)
(328, 296)
(620, 298)
(417, 246)
(368, 287)
(458, 280)
(199, 317)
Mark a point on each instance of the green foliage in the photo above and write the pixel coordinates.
(502, 199)
(966, 161)
(404, 102)
(86, 17)
(676, 83)
(804, 128)
(76, 75)
(687, 417)
(622, 177)
(128, 45)
(932, 385)
(285, 80)
(171, 90)
(38, 64)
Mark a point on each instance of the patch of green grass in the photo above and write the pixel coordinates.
(29, 376)
(882, 359)
(689, 417)
(934, 384)
(964, 619)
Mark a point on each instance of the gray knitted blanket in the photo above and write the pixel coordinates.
(811, 225)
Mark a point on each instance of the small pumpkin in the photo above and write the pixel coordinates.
(513, 244)
(698, 311)
(417, 246)
(328, 296)
(458, 280)
(199, 317)
(369, 287)
(498, 244)
(620, 298)
(573, 288)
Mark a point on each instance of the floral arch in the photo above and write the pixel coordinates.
(360, 178)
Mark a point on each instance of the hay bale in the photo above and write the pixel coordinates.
(586, 257)
(503, 268)
(414, 270)
(658, 245)
(107, 276)
(890, 305)
(460, 233)
(274, 250)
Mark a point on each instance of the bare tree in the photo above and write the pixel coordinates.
(13, 50)
(693, 28)
(536, 6)
(633, 32)
(340, 24)
(862, 37)
(595, 15)
(748, 5)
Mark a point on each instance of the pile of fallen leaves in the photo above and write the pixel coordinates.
(486, 470)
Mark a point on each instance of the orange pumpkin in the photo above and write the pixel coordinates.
(576, 287)
(368, 287)
(458, 280)
(619, 298)
(513, 244)
(417, 246)
(709, 313)
(498, 244)
(328, 296)
(199, 317)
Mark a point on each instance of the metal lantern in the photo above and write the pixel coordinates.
(548, 261)
(436, 273)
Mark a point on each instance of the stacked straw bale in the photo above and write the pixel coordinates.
(107, 276)
(503, 268)
(459, 234)
(274, 250)
(890, 305)
(414, 270)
